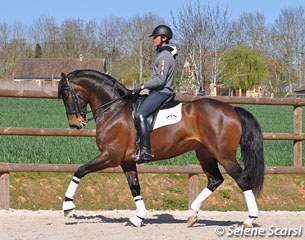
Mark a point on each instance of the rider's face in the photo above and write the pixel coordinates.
(157, 41)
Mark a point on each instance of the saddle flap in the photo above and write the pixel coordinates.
(152, 119)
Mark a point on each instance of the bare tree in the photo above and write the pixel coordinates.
(139, 45)
(76, 38)
(204, 33)
(289, 30)
(5, 33)
(110, 33)
(13, 44)
(221, 38)
(46, 32)
(251, 30)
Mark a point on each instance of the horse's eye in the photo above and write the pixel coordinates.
(65, 94)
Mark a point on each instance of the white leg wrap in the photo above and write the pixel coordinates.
(137, 220)
(141, 209)
(68, 205)
(251, 203)
(72, 187)
(199, 200)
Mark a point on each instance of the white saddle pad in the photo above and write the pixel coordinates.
(168, 116)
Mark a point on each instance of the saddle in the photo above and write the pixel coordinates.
(151, 119)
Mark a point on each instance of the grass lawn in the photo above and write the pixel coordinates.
(50, 113)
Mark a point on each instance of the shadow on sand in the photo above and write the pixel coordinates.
(155, 219)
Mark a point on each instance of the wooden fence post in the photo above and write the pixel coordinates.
(192, 188)
(297, 144)
(4, 190)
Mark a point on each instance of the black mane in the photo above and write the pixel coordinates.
(100, 80)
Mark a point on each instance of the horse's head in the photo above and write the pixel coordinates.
(74, 102)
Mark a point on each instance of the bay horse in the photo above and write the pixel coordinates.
(212, 128)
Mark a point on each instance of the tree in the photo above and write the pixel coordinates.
(204, 33)
(138, 44)
(38, 51)
(289, 30)
(242, 68)
(251, 30)
(46, 32)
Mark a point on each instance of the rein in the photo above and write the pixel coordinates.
(105, 107)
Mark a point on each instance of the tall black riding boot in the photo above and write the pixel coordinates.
(144, 134)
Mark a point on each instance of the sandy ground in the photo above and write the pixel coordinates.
(161, 225)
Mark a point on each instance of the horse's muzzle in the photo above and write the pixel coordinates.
(77, 122)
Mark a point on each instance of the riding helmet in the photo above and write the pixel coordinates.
(162, 30)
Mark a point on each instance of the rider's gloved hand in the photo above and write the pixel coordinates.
(138, 87)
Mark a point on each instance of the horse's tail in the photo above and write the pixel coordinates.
(252, 150)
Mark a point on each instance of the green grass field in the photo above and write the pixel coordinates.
(50, 113)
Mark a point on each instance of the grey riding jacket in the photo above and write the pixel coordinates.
(162, 78)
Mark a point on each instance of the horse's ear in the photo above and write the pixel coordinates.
(62, 82)
(64, 78)
(63, 75)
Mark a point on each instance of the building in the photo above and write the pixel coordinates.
(43, 70)
(298, 93)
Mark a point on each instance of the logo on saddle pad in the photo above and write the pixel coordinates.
(168, 116)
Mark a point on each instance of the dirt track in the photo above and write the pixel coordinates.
(42, 225)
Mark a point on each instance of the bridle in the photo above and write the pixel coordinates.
(81, 113)
(76, 110)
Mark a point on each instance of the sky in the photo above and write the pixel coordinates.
(27, 11)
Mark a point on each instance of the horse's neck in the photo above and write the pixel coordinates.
(102, 101)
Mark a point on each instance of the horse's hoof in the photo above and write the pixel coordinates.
(248, 222)
(247, 225)
(191, 220)
(129, 224)
(68, 207)
(68, 212)
(134, 222)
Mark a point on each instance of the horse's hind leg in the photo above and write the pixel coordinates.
(236, 172)
(130, 170)
(210, 167)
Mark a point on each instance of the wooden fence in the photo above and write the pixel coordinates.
(6, 168)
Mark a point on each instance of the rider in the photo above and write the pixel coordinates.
(160, 86)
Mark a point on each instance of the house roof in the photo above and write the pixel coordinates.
(51, 68)
(300, 89)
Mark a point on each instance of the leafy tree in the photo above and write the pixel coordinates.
(242, 68)
(38, 51)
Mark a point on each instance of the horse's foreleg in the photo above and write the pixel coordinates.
(130, 170)
(97, 164)
(68, 204)
(215, 178)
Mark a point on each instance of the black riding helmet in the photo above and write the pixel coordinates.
(162, 30)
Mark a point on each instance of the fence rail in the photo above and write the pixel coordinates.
(192, 171)
(91, 133)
